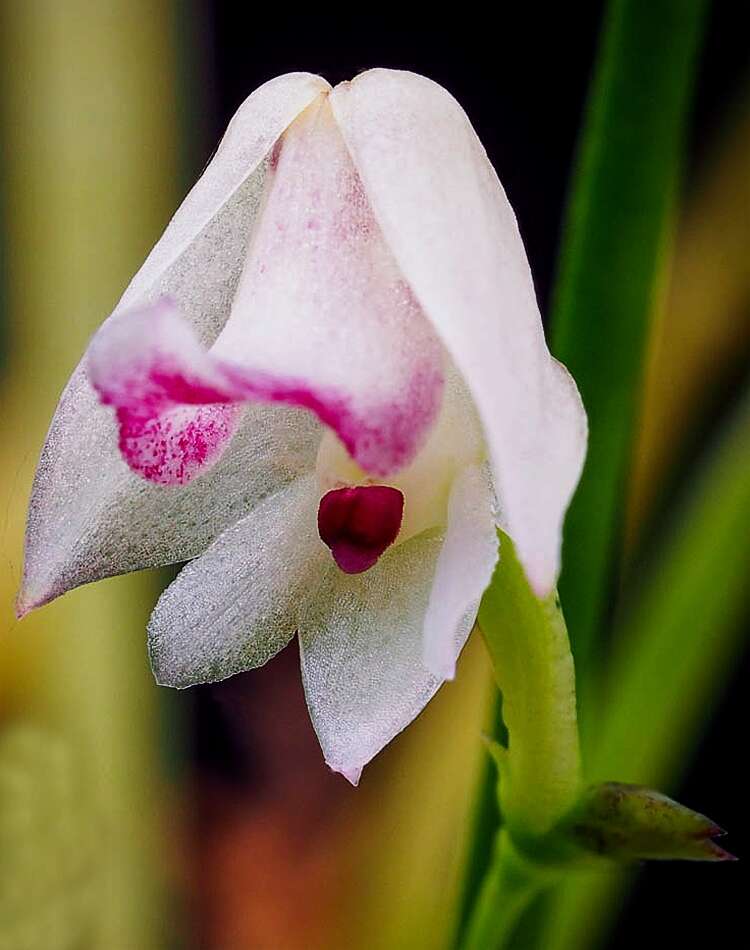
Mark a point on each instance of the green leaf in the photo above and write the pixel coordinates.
(484, 820)
(674, 650)
(618, 217)
(620, 209)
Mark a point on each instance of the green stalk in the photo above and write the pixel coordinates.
(540, 767)
(613, 241)
(528, 645)
(506, 892)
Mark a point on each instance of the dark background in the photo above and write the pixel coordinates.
(522, 79)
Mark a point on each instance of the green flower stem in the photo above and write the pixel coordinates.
(540, 767)
(506, 892)
(528, 645)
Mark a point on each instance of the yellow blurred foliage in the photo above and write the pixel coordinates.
(88, 115)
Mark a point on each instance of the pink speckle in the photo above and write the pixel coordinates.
(173, 447)
(359, 523)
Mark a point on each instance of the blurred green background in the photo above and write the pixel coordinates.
(132, 817)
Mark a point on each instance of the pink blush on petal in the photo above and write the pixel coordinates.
(382, 440)
(174, 400)
(358, 524)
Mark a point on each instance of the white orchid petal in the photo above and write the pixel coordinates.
(361, 648)
(90, 517)
(237, 605)
(198, 260)
(322, 303)
(453, 233)
(81, 532)
(463, 572)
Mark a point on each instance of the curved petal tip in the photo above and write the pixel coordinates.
(28, 599)
(22, 607)
(351, 773)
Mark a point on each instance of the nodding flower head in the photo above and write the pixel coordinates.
(325, 388)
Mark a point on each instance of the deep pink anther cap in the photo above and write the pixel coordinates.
(359, 523)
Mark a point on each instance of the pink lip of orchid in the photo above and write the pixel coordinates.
(324, 388)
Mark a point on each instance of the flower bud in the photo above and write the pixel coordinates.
(630, 822)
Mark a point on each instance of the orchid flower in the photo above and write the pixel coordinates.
(326, 388)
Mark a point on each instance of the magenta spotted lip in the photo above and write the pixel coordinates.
(358, 524)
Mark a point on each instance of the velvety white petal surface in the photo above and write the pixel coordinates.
(141, 524)
(238, 604)
(323, 309)
(463, 572)
(454, 236)
(199, 257)
(90, 516)
(361, 649)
